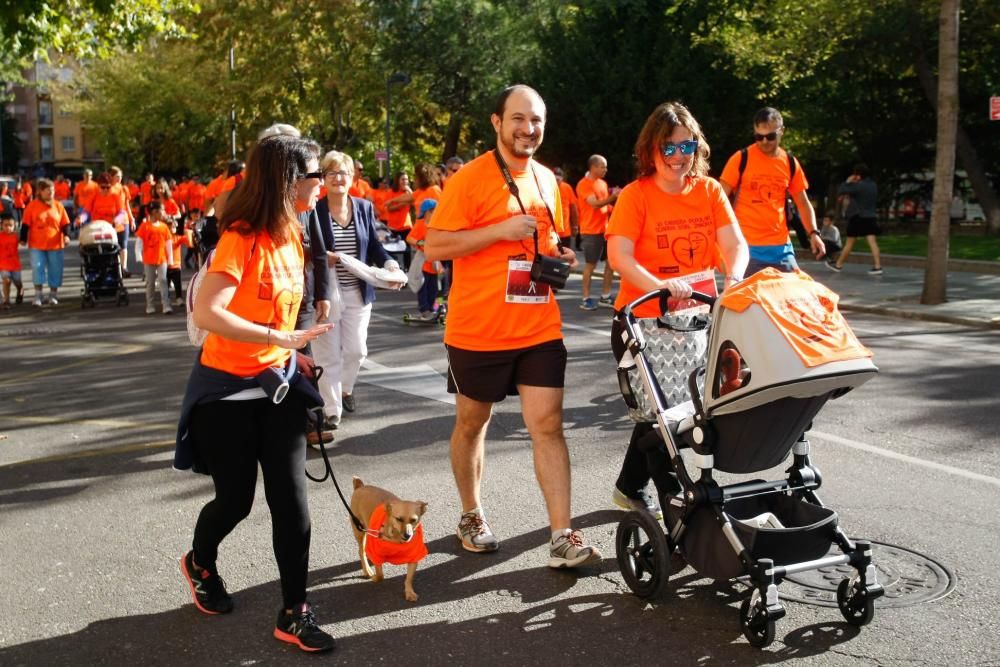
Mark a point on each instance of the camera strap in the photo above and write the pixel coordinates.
(512, 186)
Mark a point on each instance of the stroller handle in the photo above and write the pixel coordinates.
(663, 295)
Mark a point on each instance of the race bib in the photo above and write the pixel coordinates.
(521, 288)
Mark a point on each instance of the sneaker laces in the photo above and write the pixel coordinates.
(473, 523)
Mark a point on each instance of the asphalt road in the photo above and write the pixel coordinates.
(93, 518)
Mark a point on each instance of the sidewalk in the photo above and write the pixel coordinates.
(973, 296)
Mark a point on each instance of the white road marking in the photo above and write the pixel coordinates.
(419, 380)
(872, 449)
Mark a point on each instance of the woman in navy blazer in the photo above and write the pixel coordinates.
(348, 227)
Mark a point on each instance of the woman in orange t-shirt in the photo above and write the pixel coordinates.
(246, 398)
(671, 222)
(45, 230)
(398, 206)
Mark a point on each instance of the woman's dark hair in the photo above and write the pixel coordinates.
(656, 132)
(395, 180)
(425, 175)
(265, 199)
(162, 189)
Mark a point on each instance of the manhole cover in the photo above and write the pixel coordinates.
(909, 578)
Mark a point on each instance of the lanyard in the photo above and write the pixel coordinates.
(512, 186)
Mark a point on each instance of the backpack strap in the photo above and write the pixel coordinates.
(744, 157)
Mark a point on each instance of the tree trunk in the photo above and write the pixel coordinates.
(936, 274)
(451, 136)
(968, 157)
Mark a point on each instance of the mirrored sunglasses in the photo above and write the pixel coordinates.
(688, 147)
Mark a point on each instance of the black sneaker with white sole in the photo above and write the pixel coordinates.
(207, 588)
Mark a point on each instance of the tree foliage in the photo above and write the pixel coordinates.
(33, 29)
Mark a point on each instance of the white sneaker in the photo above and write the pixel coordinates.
(168, 311)
(37, 301)
(53, 301)
(571, 551)
(150, 310)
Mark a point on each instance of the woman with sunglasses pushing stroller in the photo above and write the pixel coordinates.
(734, 381)
(668, 230)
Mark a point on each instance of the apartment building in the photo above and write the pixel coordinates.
(53, 140)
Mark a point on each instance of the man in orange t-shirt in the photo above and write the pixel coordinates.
(84, 193)
(760, 196)
(570, 216)
(594, 201)
(504, 332)
(360, 187)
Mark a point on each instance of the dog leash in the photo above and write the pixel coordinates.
(316, 415)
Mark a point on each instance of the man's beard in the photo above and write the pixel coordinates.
(511, 145)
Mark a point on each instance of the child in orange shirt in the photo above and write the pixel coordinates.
(180, 237)
(427, 294)
(157, 246)
(10, 263)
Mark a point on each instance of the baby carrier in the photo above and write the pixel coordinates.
(776, 349)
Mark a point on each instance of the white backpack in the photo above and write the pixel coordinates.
(195, 335)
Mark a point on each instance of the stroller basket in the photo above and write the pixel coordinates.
(776, 526)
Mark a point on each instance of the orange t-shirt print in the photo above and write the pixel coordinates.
(479, 316)
(674, 235)
(760, 201)
(592, 220)
(9, 259)
(269, 293)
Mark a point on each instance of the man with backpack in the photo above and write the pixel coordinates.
(758, 178)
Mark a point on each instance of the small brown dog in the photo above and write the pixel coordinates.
(394, 532)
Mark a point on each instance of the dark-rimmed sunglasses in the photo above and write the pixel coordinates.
(312, 174)
(770, 136)
(688, 147)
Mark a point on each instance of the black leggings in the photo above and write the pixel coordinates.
(646, 455)
(232, 437)
(174, 278)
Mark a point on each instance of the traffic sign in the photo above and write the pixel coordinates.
(995, 108)
(381, 155)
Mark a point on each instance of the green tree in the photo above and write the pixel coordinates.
(84, 29)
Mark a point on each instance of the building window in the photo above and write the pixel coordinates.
(68, 144)
(63, 113)
(46, 146)
(44, 112)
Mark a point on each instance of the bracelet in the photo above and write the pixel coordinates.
(816, 233)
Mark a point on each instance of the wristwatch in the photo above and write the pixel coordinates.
(816, 233)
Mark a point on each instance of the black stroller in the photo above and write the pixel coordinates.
(100, 265)
(772, 351)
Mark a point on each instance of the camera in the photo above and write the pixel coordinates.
(550, 270)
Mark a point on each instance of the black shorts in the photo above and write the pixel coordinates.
(858, 226)
(489, 377)
(595, 248)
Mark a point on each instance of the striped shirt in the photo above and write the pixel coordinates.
(345, 242)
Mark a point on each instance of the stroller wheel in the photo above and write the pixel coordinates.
(758, 628)
(643, 554)
(857, 606)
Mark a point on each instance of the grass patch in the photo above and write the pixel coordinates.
(961, 246)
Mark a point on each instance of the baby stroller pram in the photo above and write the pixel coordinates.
(776, 350)
(100, 265)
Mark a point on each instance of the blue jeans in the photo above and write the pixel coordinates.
(427, 294)
(47, 263)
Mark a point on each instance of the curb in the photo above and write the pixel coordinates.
(910, 262)
(921, 316)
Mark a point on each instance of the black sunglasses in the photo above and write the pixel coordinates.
(770, 136)
(311, 174)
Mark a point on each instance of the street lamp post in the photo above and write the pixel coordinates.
(402, 78)
(232, 108)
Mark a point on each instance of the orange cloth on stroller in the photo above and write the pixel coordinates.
(382, 551)
(805, 313)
